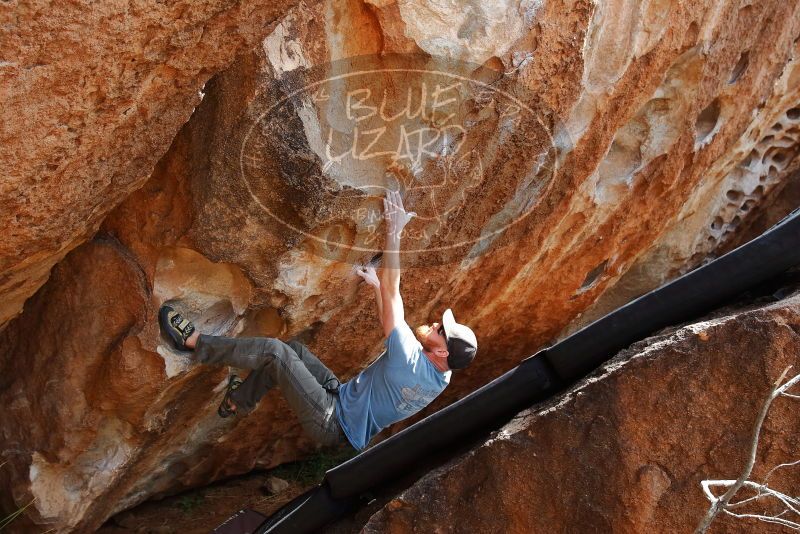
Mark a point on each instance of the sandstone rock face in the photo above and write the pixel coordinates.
(644, 123)
(93, 95)
(626, 449)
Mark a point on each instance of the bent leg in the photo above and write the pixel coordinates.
(253, 388)
(258, 382)
(241, 352)
(314, 405)
(323, 375)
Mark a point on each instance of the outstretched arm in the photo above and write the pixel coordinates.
(396, 219)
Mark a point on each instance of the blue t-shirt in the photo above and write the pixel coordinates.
(397, 385)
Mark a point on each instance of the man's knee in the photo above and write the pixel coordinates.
(277, 347)
(295, 345)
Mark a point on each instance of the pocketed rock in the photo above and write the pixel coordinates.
(667, 144)
(626, 449)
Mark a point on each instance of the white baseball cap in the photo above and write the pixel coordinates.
(462, 345)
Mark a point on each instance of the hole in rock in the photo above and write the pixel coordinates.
(749, 203)
(690, 37)
(186, 275)
(212, 295)
(492, 70)
(717, 223)
(793, 114)
(745, 11)
(593, 275)
(263, 322)
(777, 127)
(740, 67)
(758, 191)
(707, 122)
(624, 157)
(734, 195)
(751, 157)
(312, 301)
(735, 222)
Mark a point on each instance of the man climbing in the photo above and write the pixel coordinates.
(413, 370)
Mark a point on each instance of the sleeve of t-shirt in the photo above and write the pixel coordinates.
(402, 345)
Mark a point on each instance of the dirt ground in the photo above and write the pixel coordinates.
(201, 510)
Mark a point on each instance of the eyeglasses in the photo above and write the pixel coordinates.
(441, 331)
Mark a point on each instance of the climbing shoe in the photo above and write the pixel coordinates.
(227, 407)
(175, 327)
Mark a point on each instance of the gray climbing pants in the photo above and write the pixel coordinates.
(310, 388)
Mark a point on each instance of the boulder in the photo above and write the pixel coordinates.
(626, 449)
(580, 171)
(93, 95)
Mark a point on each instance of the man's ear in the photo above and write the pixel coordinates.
(442, 353)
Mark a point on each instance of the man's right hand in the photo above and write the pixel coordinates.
(367, 272)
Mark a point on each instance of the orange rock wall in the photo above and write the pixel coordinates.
(670, 123)
(93, 94)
